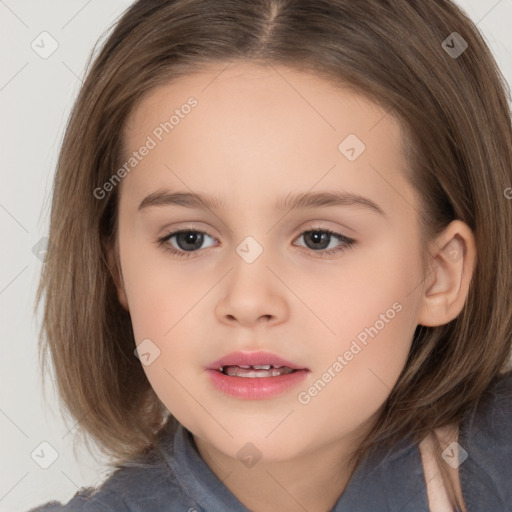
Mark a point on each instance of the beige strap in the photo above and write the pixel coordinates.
(436, 488)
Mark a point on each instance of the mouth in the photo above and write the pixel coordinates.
(255, 371)
(255, 375)
(254, 365)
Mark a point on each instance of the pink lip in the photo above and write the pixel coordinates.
(252, 358)
(254, 388)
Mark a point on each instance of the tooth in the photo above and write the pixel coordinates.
(236, 371)
(261, 367)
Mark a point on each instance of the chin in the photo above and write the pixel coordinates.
(249, 444)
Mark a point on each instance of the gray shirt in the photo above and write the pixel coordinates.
(177, 479)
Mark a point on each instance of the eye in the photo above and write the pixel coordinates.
(320, 239)
(188, 241)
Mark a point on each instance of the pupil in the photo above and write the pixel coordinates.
(317, 236)
(188, 237)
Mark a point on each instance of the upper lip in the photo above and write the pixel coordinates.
(251, 359)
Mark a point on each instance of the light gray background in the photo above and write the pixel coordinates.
(36, 95)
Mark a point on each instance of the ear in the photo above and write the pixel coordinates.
(115, 270)
(453, 259)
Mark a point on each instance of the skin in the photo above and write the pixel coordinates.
(257, 134)
(436, 488)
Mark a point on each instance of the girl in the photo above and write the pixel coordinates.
(279, 272)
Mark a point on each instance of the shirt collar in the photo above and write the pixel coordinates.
(387, 479)
(196, 478)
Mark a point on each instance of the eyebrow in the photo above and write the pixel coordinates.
(290, 202)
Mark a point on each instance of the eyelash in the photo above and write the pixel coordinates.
(347, 243)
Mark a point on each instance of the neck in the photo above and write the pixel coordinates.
(312, 481)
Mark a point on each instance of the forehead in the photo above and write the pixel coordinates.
(254, 124)
(236, 87)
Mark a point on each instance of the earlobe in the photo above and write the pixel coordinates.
(115, 270)
(447, 285)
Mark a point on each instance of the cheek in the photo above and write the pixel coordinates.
(373, 317)
(368, 295)
(160, 292)
(164, 301)
(357, 375)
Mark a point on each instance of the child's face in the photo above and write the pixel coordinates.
(255, 136)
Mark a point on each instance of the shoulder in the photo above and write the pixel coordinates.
(126, 490)
(486, 446)
(489, 423)
(82, 501)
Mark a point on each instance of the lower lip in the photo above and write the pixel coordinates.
(255, 388)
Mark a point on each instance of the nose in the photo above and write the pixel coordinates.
(252, 295)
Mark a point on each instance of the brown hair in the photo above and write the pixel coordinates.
(454, 112)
